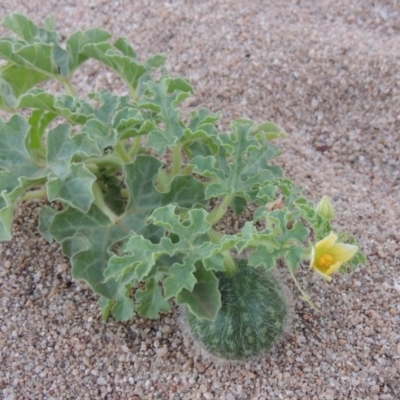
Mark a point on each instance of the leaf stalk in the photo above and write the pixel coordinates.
(218, 212)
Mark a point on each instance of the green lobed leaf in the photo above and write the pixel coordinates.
(262, 256)
(73, 187)
(78, 40)
(16, 80)
(22, 26)
(163, 97)
(15, 160)
(125, 66)
(184, 191)
(248, 166)
(74, 110)
(38, 121)
(89, 261)
(123, 308)
(38, 57)
(70, 182)
(8, 200)
(269, 131)
(106, 305)
(151, 300)
(204, 300)
(293, 257)
(46, 217)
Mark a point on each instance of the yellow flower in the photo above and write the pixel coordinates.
(327, 256)
(325, 208)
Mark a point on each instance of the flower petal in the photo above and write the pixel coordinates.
(343, 252)
(334, 268)
(323, 245)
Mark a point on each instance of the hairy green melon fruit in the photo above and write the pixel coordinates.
(252, 317)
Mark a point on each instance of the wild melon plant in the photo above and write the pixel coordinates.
(140, 190)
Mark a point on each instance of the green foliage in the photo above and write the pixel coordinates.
(140, 187)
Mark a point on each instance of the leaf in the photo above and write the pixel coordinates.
(7, 201)
(123, 308)
(89, 262)
(238, 204)
(46, 217)
(62, 147)
(293, 257)
(156, 61)
(151, 300)
(100, 133)
(269, 131)
(73, 187)
(248, 166)
(50, 23)
(38, 56)
(60, 59)
(15, 80)
(15, 160)
(205, 299)
(262, 256)
(181, 275)
(38, 121)
(106, 305)
(70, 182)
(74, 110)
(125, 48)
(184, 191)
(125, 66)
(129, 122)
(109, 102)
(78, 40)
(22, 26)
(141, 256)
(163, 97)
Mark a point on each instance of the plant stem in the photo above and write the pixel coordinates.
(163, 181)
(119, 148)
(132, 91)
(215, 236)
(304, 295)
(35, 194)
(68, 87)
(99, 201)
(218, 212)
(92, 167)
(135, 146)
(176, 160)
(229, 263)
(106, 161)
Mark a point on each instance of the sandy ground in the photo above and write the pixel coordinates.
(328, 72)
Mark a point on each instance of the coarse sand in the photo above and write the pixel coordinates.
(326, 71)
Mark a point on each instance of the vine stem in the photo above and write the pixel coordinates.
(176, 160)
(122, 153)
(230, 265)
(35, 194)
(304, 295)
(135, 146)
(68, 87)
(218, 212)
(99, 201)
(108, 160)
